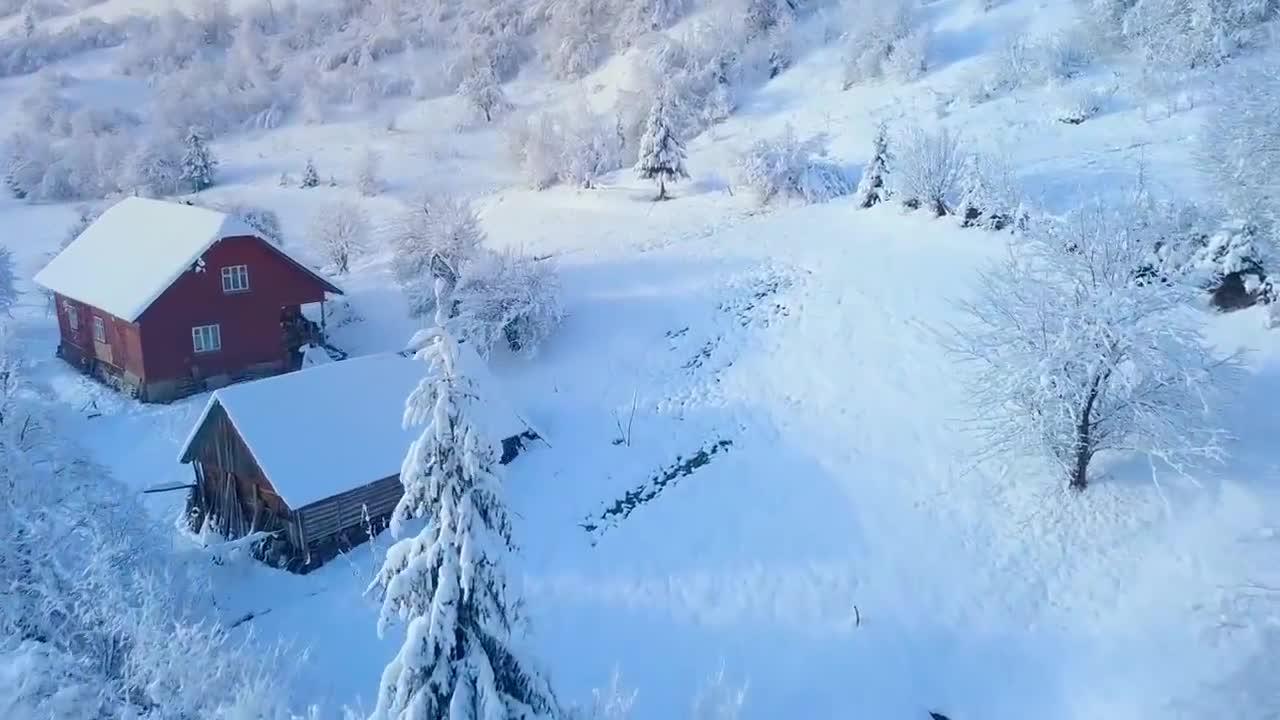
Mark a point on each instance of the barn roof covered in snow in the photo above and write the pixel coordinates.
(336, 427)
(131, 254)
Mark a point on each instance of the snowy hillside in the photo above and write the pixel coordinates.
(760, 492)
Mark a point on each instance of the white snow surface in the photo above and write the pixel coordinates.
(336, 427)
(131, 254)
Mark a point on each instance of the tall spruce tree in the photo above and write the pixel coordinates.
(310, 177)
(661, 156)
(872, 188)
(198, 163)
(459, 659)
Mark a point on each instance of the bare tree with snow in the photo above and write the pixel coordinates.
(482, 91)
(435, 233)
(1075, 353)
(461, 656)
(154, 169)
(509, 298)
(661, 150)
(927, 169)
(341, 230)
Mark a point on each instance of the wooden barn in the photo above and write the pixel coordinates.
(314, 456)
(165, 299)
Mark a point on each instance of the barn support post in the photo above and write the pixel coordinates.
(324, 333)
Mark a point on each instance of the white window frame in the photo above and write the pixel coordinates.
(73, 316)
(99, 330)
(206, 338)
(235, 279)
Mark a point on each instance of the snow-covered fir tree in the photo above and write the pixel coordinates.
(310, 177)
(1074, 353)
(198, 163)
(369, 176)
(461, 658)
(661, 156)
(989, 195)
(872, 188)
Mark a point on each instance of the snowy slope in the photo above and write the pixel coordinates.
(836, 548)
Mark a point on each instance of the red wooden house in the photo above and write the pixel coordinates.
(167, 299)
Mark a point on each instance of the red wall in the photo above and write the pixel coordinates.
(250, 321)
(122, 337)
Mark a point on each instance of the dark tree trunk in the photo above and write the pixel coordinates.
(1084, 444)
(662, 189)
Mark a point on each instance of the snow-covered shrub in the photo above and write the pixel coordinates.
(576, 39)
(908, 59)
(990, 196)
(1024, 62)
(1063, 55)
(574, 147)
(93, 594)
(609, 703)
(927, 168)
(877, 28)
(640, 17)
(1230, 261)
(718, 698)
(509, 298)
(341, 230)
(1187, 34)
(261, 219)
(23, 54)
(1073, 353)
(786, 166)
(155, 168)
(1076, 104)
(27, 158)
(437, 236)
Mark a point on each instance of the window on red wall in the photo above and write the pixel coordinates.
(99, 330)
(206, 338)
(73, 317)
(235, 278)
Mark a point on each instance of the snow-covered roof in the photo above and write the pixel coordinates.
(336, 427)
(131, 254)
